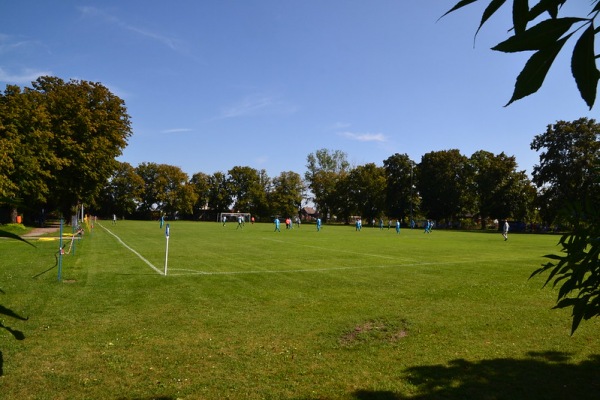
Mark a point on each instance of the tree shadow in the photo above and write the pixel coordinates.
(15, 333)
(149, 398)
(543, 375)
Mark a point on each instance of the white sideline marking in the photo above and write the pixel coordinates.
(132, 250)
(293, 271)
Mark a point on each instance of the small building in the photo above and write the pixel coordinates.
(308, 214)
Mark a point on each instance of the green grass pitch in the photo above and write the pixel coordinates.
(298, 314)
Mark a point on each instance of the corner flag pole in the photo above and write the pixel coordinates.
(60, 250)
(167, 248)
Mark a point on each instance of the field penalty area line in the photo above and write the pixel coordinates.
(132, 250)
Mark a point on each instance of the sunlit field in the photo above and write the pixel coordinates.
(249, 313)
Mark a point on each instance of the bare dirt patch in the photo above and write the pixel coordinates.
(35, 232)
(375, 330)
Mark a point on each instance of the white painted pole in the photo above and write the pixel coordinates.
(167, 248)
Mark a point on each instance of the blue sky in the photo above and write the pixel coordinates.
(210, 85)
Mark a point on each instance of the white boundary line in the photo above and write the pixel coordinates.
(132, 250)
(188, 272)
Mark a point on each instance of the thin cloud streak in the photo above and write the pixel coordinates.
(365, 137)
(93, 12)
(177, 130)
(256, 105)
(341, 125)
(6, 46)
(27, 76)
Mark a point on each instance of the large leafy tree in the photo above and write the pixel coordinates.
(566, 174)
(442, 184)
(259, 194)
(166, 190)
(123, 192)
(366, 190)
(539, 28)
(200, 182)
(285, 198)
(174, 193)
(248, 189)
(521, 197)
(90, 128)
(7, 187)
(220, 198)
(500, 190)
(401, 198)
(25, 143)
(149, 203)
(324, 169)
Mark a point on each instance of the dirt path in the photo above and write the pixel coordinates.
(35, 232)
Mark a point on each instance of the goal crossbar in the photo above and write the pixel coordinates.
(233, 216)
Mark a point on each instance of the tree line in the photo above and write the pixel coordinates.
(445, 186)
(61, 140)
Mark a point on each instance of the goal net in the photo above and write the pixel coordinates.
(233, 217)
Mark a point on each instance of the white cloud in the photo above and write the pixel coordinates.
(364, 137)
(10, 43)
(26, 76)
(111, 19)
(250, 105)
(176, 130)
(257, 104)
(341, 125)
(261, 160)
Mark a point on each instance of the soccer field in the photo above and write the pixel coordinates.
(211, 248)
(298, 314)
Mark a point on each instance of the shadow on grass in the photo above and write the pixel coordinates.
(16, 334)
(149, 398)
(547, 375)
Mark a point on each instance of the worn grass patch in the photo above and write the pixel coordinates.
(375, 331)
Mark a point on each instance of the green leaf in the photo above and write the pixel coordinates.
(583, 66)
(532, 76)
(520, 15)
(550, 6)
(538, 37)
(457, 6)
(489, 11)
(578, 312)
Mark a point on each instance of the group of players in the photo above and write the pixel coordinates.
(428, 225)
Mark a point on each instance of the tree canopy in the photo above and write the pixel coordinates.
(401, 198)
(61, 141)
(324, 169)
(567, 171)
(440, 182)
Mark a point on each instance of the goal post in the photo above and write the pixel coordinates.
(233, 216)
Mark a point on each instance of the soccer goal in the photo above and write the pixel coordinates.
(233, 217)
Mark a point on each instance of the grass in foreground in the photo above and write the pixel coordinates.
(252, 314)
